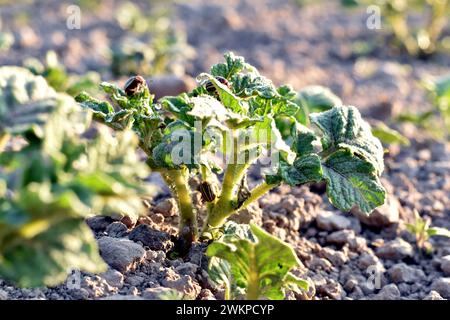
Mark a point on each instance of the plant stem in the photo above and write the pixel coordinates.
(257, 193)
(222, 211)
(188, 218)
(253, 280)
(4, 138)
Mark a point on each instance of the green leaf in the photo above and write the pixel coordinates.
(388, 135)
(251, 263)
(267, 135)
(102, 110)
(317, 99)
(178, 106)
(352, 181)
(46, 258)
(228, 98)
(343, 128)
(206, 107)
(233, 65)
(248, 85)
(442, 86)
(304, 169)
(304, 139)
(436, 231)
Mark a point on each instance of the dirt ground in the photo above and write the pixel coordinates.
(315, 44)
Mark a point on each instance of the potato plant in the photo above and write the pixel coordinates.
(421, 229)
(436, 119)
(235, 114)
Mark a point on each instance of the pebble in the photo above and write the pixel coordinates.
(445, 265)
(3, 295)
(383, 216)
(117, 230)
(388, 292)
(442, 286)
(401, 272)
(167, 207)
(337, 258)
(99, 223)
(329, 221)
(341, 237)
(397, 249)
(114, 278)
(151, 238)
(121, 254)
(433, 295)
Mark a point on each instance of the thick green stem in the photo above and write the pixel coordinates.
(220, 212)
(253, 279)
(257, 193)
(188, 217)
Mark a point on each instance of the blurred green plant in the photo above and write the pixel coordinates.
(422, 232)
(6, 39)
(156, 47)
(54, 179)
(435, 120)
(422, 40)
(59, 79)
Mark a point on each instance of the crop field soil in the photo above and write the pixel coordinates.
(97, 202)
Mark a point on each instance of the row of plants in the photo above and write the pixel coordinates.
(424, 36)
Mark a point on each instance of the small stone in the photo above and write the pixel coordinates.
(156, 293)
(187, 269)
(99, 223)
(341, 237)
(350, 285)
(133, 291)
(157, 218)
(97, 286)
(206, 294)
(367, 260)
(252, 214)
(168, 208)
(3, 295)
(433, 295)
(404, 288)
(357, 293)
(79, 294)
(382, 216)
(129, 221)
(184, 284)
(135, 281)
(445, 265)
(121, 254)
(330, 221)
(154, 239)
(337, 258)
(388, 292)
(117, 230)
(332, 289)
(319, 263)
(397, 249)
(122, 297)
(442, 286)
(403, 273)
(114, 278)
